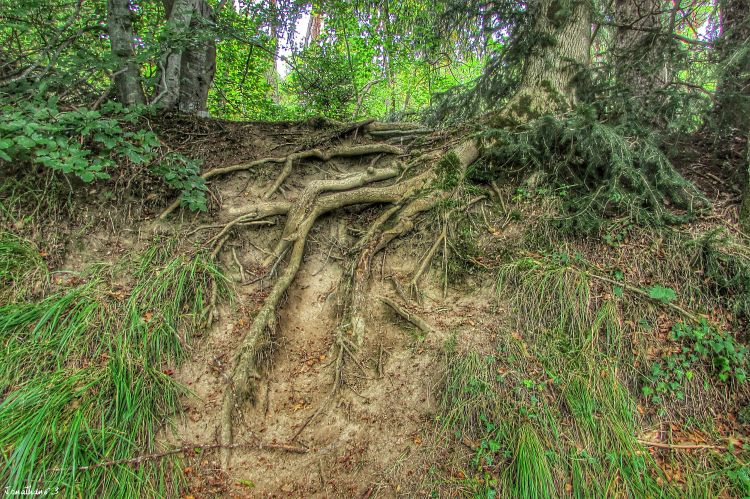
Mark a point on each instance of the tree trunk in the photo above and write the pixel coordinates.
(733, 92)
(198, 67)
(744, 213)
(179, 15)
(127, 78)
(272, 74)
(189, 62)
(548, 82)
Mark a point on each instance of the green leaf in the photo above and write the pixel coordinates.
(662, 294)
(86, 176)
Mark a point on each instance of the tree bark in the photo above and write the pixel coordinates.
(179, 15)
(272, 74)
(733, 92)
(548, 82)
(188, 64)
(640, 55)
(198, 67)
(127, 78)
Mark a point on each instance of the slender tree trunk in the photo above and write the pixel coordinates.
(198, 66)
(272, 74)
(548, 82)
(127, 78)
(179, 15)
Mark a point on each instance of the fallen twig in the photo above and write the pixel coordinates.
(192, 447)
(408, 316)
(663, 445)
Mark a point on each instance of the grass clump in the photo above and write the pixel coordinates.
(549, 407)
(87, 379)
(725, 265)
(20, 265)
(529, 474)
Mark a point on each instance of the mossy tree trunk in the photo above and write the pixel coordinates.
(562, 30)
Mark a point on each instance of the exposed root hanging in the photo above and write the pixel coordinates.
(342, 151)
(408, 199)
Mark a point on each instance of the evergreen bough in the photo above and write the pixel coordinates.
(604, 171)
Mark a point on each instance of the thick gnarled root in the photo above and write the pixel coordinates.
(408, 198)
(342, 151)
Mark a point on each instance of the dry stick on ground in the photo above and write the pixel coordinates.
(664, 445)
(189, 448)
(640, 292)
(643, 293)
(408, 316)
(344, 151)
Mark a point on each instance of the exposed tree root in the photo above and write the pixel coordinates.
(426, 262)
(191, 448)
(342, 151)
(245, 372)
(389, 134)
(403, 222)
(408, 199)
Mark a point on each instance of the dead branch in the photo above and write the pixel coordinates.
(408, 316)
(189, 448)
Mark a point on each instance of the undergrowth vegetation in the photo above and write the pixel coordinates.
(92, 144)
(600, 170)
(86, 375)
(607, 358)
(21, 267)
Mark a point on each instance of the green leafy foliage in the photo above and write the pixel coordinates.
(605, 171)
(183, 174)
(92, 144)
(81, 142)
(661, 293)
(701, 345)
